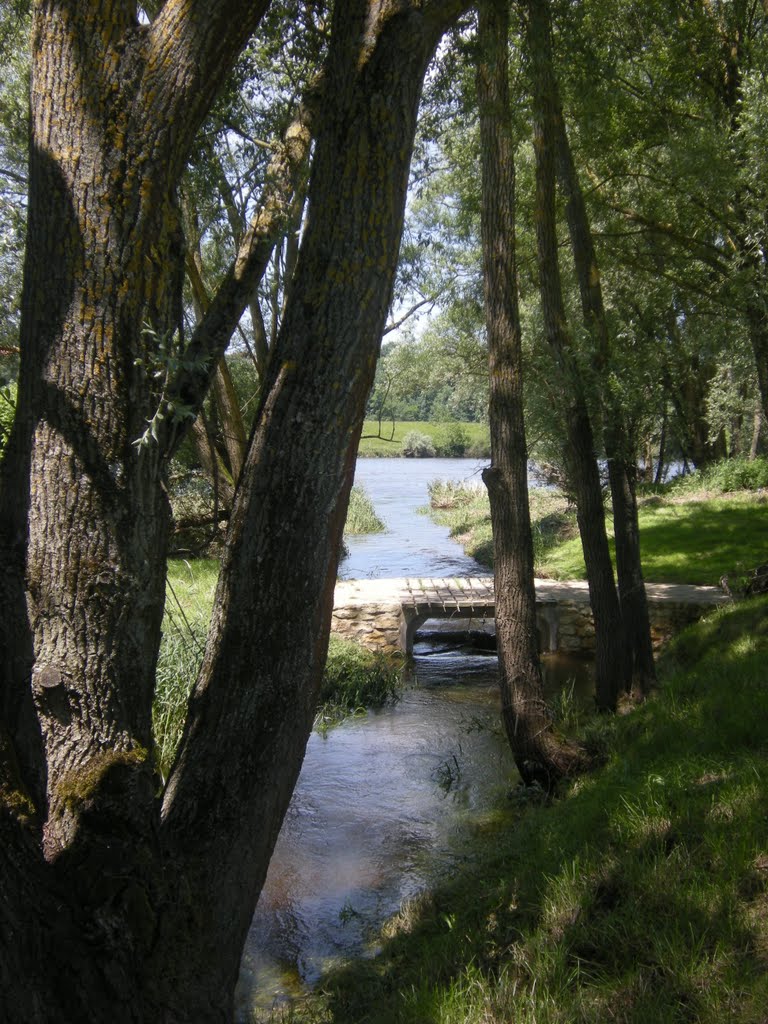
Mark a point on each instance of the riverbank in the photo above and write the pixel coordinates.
(639, 896)
(690, 532)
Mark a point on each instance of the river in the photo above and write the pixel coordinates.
(384, 800)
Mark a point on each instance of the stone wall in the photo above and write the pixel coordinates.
(375, 626)
(564, 626)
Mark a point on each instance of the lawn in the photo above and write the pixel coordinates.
(685, 541)
(690, 538)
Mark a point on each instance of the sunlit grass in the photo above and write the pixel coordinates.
(389, 440)
(683, 540)
(361, 515)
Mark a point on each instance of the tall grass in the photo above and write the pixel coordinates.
(361, 515)
(464, 508)
(355, 679)
(640, 896)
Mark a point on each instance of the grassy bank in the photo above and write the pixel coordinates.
(465, 510)
(354, 678)
(449, 440)
(688, 534)
(640, 896)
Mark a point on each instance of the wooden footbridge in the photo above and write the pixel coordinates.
(385, 614)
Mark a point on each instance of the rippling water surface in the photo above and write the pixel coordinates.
(385, 800)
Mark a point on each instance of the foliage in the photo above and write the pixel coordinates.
(418, 446)
(14, 90)
(739, 474)
(7, 410)
(640, 895)
(361, 515)
(442, 376)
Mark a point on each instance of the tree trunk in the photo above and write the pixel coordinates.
(620, 448)
(109, 909)
(611, 663)
(539, 754)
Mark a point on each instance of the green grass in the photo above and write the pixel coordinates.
(639, 896)
(465, 510)
(354, 678)
(686, 541)
(390, 443)
(687, 538)
(361, 515)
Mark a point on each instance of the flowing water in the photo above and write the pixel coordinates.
(385, 800)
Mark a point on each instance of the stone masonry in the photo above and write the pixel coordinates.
(384, 615)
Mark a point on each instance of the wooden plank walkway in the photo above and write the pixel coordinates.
(454, 594)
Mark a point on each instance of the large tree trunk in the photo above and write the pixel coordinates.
(611, 663)
(539, 753)
(109, 909)
(256, 700)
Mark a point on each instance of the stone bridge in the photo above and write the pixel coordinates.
(385, 614)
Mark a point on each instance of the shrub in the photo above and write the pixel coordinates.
(454, 442)
(418, 446)
(740, 474)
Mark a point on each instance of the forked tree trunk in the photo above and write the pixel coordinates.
(611, 662)
(539, 753)
(110, 909)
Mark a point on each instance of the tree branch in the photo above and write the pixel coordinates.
(211, 336)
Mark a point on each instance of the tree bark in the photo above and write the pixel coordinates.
(611, 663)
(620, 449)
(539, 753)
(110, 909)
(254, 703)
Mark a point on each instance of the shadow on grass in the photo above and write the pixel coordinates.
(703, 541)
(641, 896)
(695, 542)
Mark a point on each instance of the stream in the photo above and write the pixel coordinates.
(385, 800)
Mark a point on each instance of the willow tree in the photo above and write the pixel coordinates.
(122, 900)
